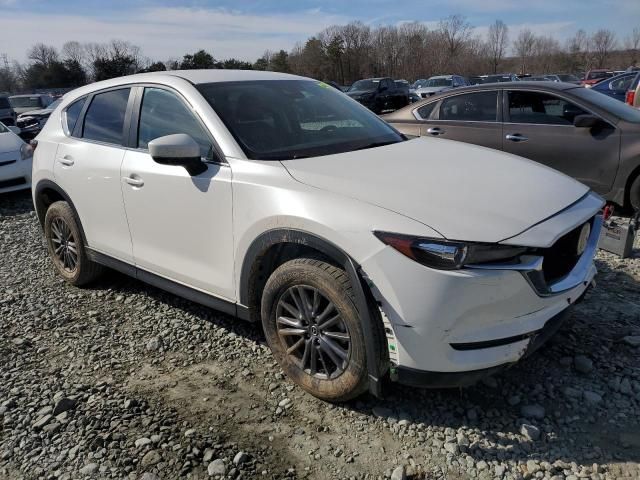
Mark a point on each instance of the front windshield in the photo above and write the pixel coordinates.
(596, 75)
(438, 82)
(365, 85)
(568, 78)
(52, 106)
(420, 83)
(25, 102)
(610, 104)
(287, 119)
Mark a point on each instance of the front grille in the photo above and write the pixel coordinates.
(562, 256)
(14, 182)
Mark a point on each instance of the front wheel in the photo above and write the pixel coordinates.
(65, 245)
(313, 328)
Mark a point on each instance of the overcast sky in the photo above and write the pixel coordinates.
(245, 28)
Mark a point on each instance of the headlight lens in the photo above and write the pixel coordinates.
(26, 151)
(447, 255)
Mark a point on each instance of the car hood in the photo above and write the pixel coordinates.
(430, 89)
(36, 113)
(359, 93)
(465, 192)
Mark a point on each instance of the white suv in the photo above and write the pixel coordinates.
(278, 199)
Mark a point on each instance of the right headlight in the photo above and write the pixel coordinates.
(448, 255)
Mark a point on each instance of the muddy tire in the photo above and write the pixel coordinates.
(312, 326)
(66, 248)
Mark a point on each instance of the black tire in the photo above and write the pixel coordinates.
(332, 283)
(76, 269)
(634, 194)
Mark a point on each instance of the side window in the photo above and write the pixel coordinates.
(163, 113)
(541, 108)
(475, 107)
(72, 113)
(104, 120)
(424, 112)
(623, 83)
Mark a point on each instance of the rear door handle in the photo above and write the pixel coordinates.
(516, 137)
(134, 181)
(435, 131)
(67, 160)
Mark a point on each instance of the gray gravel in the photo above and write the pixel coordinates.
(121, 380)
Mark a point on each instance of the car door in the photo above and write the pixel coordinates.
(87, 167)
(471, 117)
(180, 224)
(539, 126)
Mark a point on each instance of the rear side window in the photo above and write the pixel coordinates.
(425, 111)
(163, 113)
(104, 120)
(471, 107)
(542, 108)
(72, 113)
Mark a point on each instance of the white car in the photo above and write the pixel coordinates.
(15, 160)
(279, 200)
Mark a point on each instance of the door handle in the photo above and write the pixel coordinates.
(67, 160)
(133, 181)
(516, 137)
(435, 131)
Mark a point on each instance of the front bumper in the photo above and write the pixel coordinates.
(453, 327)
(427, 379)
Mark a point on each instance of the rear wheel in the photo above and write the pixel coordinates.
(313, 328)
(65, 246)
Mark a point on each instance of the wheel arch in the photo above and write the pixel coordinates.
(46, 193)
(274, 247)
(631, 178)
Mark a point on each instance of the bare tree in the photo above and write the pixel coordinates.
(455, 31)
(497, 42)
(578, 51)
(524, 45)
(632, 44)
(602, 43)
(42, 54)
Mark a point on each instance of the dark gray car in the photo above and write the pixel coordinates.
(582, 133)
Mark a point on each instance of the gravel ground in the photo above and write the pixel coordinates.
(122, 380)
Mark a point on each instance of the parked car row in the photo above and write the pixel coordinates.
(578, 131)
(29, 112)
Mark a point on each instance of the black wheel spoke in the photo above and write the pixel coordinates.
(313, 332)
(63, 244)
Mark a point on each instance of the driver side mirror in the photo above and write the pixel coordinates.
(585, 121)
(15, 130)
(179, 149)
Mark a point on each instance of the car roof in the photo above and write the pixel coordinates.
(558, 86)
(442, 76)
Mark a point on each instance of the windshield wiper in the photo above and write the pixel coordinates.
(375, 145)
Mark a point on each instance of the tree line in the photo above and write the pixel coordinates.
(345, 53)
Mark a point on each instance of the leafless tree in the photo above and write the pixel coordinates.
(524, 45)
(43, 54)
(497, 42)
(456, 31)
(602, 43)
(632, 44)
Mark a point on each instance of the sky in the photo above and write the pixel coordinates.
(244, 29)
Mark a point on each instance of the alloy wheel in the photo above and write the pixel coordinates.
(64, 245)
(314, 334)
